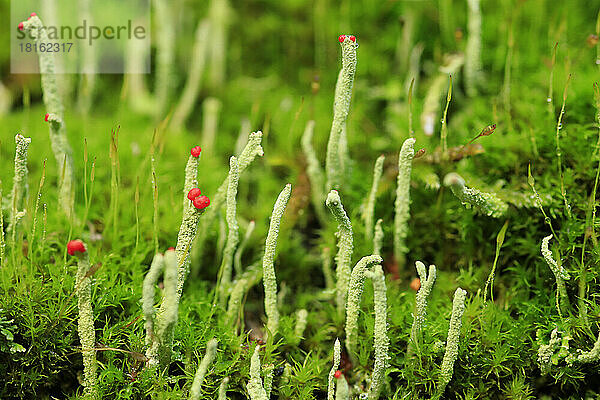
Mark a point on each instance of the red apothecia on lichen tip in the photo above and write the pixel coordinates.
(201, 202)
(337, 374)
(196, 151)
(352, 37)
(46, 117)
(171, 249)
(75, 246)
(342, 38)
(192, 194)
(33, 14)
(21, 27)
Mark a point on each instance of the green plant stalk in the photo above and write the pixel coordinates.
(194, 81)
(381, 340)
(155, 205)
(2, 242)
(254, 385)
(269, 279)
(314, 172)
(58, 131)
(341, 108)
(355, 291)
(20, 185)
(223, 388)
(345, 247)
(136, 201)
(148, 290)
(427, 281)
(368, 214)
(473, 50)
(378, 237)
(89, 199)
(563, 191)
(507, 74)
(335, 366)
(411, 132)
(159, 352)
(444, 132)
(85, 325)
(211, 352)
(559, 274)
(451, 354)
(402, 203)
(237, 258)
(551, 83)
(538, 199)
(486, 203)
(490, 279)
(114, 179)
(233, 235)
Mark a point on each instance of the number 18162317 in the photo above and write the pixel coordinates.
(46, 47)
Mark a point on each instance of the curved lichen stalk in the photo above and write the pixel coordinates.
(54, 107)
(334, 367)
(355, 290)
(559, 274)
(368, 214)
(241, 286)
(486, 203)
(269, 279)
(345, 247)
(148, 295)
(255, 388)
(233, 235)
(341, 108)
(451, 354)
(402, 204)
(211, 352)
(427, 281)
(20, 185)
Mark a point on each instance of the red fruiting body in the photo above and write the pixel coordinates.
(196, 151)
(337, 374)
(33, 14)
(352, 37)
(342, 38)
(171, 249)
(21, 26)
(46, 117)
(201, 202)
(192, 194)
(75, 246)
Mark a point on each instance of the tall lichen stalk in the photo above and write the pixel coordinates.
(54, 107)
(368, 214)
(233, 235)
(427, 281)
(334, 367)
(402, 204)
(269, 279)
(341, 108)
(20, 185)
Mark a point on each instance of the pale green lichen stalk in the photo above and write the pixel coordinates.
(451, 354)
(341, 108)
(590, 356)
(327, 272)
(301, 322)
(268, 372)
(240, 287)
(486, 203)
(148, 295)
(20, 186)
(254, 386)
(473, 50)
(546, 351)
(335, 366)
(85, 325)
(233, 235)
(159, 352)
(355, 290)
(378, 237)
(269, 279)
(345, 247)
(223, 388)
(381, 340)
(427, 281)
(368, 214)
(313, 170)
(211, 352)
(559, 273)
(402, 204)
(342, 391)
(54, 107)
(237, 258)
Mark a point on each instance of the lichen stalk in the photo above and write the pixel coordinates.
(368, 214)
(85, 325)
(402, 204)
(20, 185)
(427, 281)
(486, 203)
(54, 107)
(237, 258)
(355, 290)
(381, 340)
(240, 287)
(148, 290)
(268, 372)
(345, 248)
(314, 172)
(590, 356)
(334, 367)
(451, 354)
(211, 352)
(559, 274)
(327, 272)
(223, 388)
(473, 50)
(342, 391)
(233, 235)
(341, 108)
(269, 279)
(378, 237)
(301, 322)
(254, 385)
